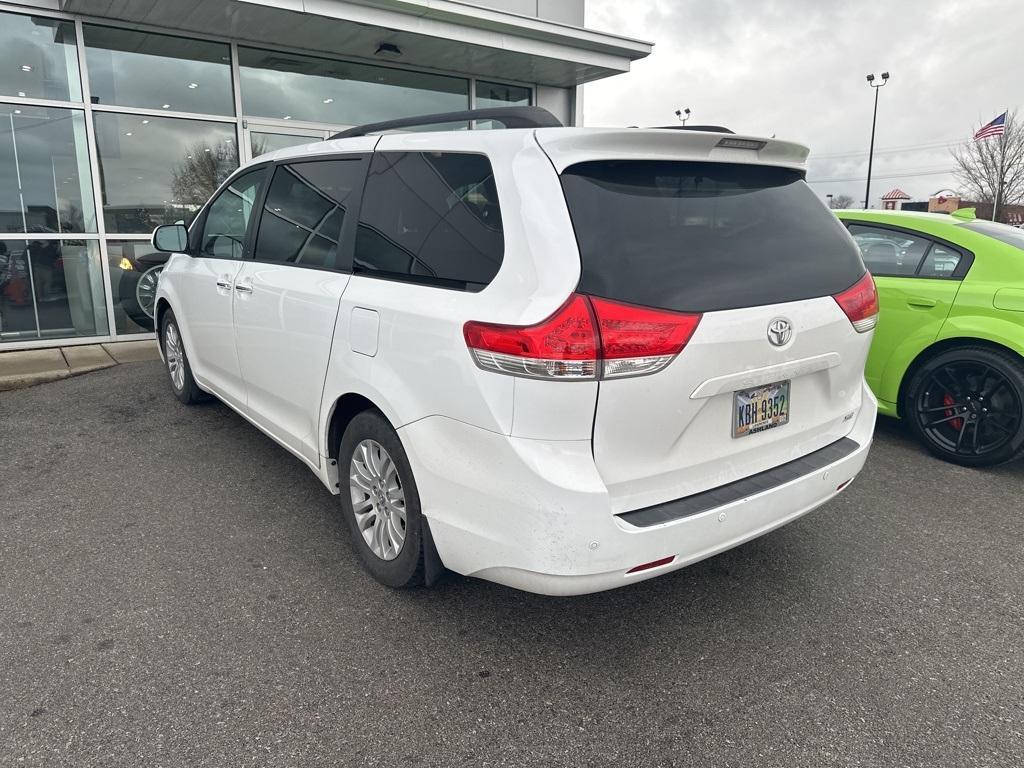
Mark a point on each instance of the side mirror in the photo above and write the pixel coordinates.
(170, 238)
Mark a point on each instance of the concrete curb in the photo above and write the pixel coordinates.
(26, 368)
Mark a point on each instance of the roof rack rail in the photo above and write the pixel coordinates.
(511, 117)
(705, 128)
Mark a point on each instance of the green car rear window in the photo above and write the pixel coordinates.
(1001, 232)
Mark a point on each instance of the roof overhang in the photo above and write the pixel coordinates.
(432, 34)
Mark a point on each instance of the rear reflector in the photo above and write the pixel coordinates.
(652, 564)
(587, 338)
(860, 303)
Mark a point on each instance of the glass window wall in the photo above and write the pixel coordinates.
(135, 269)
(291, 86)
(50, 289)
(152, 168)
(159, 170)
(494, 95)
(38, 58)
(142, 69)
(44, 165)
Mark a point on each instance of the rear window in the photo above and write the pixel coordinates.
(701, 237)
(1001, 232)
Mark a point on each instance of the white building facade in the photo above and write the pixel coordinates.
(119, 115)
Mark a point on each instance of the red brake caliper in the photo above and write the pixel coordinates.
(958, 424)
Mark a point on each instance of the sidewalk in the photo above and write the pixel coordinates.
(23, 368)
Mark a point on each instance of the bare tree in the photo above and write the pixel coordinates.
(201, 171)
(993, 167)
(841, 201)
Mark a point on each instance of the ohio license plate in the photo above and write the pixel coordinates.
(761, 408)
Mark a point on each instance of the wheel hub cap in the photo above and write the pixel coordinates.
(378, 499)
(969, 408)
(175, 356)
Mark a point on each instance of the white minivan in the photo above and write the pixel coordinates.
(561, 359)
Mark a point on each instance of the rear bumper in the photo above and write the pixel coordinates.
(535, 514)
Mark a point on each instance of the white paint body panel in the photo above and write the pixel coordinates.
(283, 331)
(205, 314)
(520, 479)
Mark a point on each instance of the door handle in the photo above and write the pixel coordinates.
(224, 281)
(920, 301)
(243, 287)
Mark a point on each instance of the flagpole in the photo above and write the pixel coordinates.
(1002, 164)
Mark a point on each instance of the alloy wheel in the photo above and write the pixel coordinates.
(174, 353)
(145, 289)
(378, 500)
(968, 408)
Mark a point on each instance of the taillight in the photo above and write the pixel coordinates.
(587, 338)
(860, 303)
(637, 340)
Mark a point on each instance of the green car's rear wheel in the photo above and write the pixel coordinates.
(967, 406)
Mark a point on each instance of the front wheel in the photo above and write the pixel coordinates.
(966, 405)
(176, 361)
(380, 501)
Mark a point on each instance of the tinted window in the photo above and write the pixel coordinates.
(159, 170)
(305, 210)
(45, 184)
(294, 86)
(888, 252)
(1001, 232)
(941, 261)
(702, 237)
(38, 59)
(431, 217)
(51, 289)
(132, 69)
(228, 217)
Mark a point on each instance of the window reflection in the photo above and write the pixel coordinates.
(228, 217)
(50, 288)
(159, 170)
(38, 59)
(45, 150)
(142, 69)
(493, 95)
(305, 210)
(134, 274)
(261, 143)
(291, 86)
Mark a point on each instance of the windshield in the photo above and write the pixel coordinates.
(700, 237)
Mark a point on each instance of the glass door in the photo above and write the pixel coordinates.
(259, 139)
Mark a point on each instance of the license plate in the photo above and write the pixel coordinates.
(761, 408)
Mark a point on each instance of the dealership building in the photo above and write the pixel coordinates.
(119, 115)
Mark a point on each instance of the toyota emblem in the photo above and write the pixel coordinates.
(780, 331)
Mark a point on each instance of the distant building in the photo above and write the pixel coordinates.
(893, 199)
(1008, 214)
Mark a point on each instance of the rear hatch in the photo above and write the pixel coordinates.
(775, 280)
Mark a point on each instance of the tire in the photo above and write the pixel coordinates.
(176, 361)
(137, 290)
(376, 478)
(966, 406)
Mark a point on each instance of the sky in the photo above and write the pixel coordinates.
(796, 69)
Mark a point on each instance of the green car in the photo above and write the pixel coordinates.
(948, 352)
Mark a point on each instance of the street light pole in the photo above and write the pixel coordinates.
(871, 150)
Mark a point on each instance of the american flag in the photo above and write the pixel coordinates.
(996, 128)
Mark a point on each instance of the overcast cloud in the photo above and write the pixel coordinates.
(796, 68)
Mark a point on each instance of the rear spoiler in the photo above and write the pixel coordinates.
(568, 146)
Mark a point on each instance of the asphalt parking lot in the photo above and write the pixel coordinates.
(177, 590)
